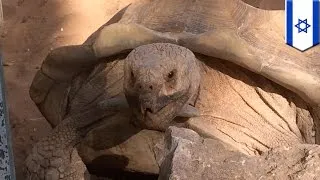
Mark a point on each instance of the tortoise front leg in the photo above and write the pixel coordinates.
(55, 157)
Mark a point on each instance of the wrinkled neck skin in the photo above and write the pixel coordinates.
(161, 82)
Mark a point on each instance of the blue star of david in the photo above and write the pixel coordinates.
(302, 29)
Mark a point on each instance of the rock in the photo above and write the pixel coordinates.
(188, 156)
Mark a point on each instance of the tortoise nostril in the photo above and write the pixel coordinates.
(140, 87)
(150, 87)
(149, 110)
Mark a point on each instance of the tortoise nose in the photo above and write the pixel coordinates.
(146, 88)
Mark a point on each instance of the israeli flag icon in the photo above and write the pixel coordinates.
(302, 23)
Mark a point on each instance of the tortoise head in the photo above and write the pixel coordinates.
(161, 82)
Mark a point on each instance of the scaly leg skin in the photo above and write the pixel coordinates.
(54, 157)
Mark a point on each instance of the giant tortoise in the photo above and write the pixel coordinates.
(218, 67)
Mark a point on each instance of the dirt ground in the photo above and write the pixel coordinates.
(31, 28)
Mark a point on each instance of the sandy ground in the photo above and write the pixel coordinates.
(30, 30)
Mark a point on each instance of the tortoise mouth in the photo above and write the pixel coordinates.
(158, 120)
(148, 114)
(147, 110)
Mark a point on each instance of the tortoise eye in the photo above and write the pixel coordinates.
(132, 75)
(171, 74)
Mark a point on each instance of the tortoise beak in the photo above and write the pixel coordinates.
(148, 103)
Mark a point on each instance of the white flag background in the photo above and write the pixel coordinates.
(302, 23)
